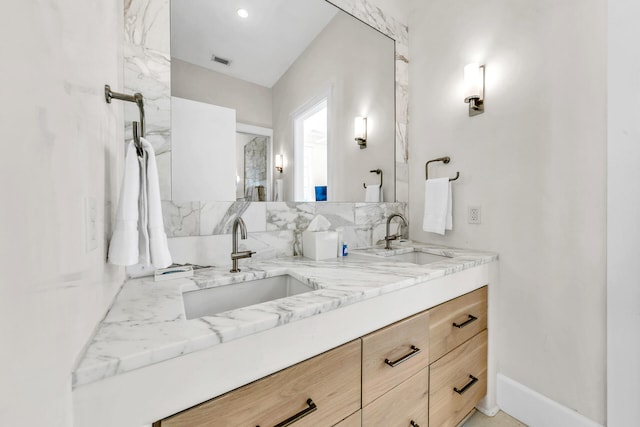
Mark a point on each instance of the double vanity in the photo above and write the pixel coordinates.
(380, 337)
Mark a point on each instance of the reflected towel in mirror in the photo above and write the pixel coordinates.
(373, 193)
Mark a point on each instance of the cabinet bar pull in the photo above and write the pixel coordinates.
(414, 424)
(306, 411)
(414, 350)
(466, 387)
(465, 323)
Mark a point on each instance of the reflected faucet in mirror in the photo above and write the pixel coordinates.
(235, 255)
(387, 237)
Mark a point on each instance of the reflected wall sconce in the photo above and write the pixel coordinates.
(360, 130)
(279, 162)
(474, 88)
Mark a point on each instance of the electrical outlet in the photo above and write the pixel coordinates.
(90, 223)
(474, 216)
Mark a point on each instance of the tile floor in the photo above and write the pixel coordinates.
(500, 420)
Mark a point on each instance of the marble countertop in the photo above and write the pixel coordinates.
(147, 324)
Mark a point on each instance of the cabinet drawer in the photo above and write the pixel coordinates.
(457, 382)
(331, 380)
(454, 322)
(408, 402)
(354, 420)
(404, 344)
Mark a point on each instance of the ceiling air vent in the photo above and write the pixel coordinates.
(222, 61)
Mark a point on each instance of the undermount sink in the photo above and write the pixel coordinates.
(210, 301)
(415, 257)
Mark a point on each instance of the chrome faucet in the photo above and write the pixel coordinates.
(387, 237)
(235, 255)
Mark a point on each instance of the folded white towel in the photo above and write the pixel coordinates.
(373, 193)
(123, 248)
(138, 236)
(437, 206)
(158, 246)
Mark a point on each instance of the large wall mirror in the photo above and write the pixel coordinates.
(263, 106)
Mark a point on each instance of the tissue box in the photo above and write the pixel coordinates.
(320, 244)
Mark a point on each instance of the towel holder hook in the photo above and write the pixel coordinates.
(376, 171)
(138, 99)
(444, 160)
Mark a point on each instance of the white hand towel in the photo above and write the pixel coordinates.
(373, 193)
(123, 248)
(437, 206)
(138, 236)
(158, 246)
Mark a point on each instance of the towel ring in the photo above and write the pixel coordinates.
(444, 160)
(376, 171)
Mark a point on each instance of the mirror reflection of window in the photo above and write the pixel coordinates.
(310, 147)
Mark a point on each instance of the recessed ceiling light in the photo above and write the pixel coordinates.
(242, 13)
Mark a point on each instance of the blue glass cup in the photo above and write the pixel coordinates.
(321, 193)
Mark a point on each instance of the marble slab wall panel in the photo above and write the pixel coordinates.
(147, 69)
(203, 234)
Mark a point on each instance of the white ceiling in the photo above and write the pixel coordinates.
(261, 47)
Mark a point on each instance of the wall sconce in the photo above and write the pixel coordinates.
(360, 130)
(474, 88)
(279, 162)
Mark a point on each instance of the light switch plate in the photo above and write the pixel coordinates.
(474, 216)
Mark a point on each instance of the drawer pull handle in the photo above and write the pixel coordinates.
(300, 415)
(414, 350)
(414, 424)
(466, 322)
(467, 386)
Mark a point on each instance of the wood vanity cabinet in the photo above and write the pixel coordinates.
(429, 369)
(456, 321)
(458, 348)
(393, 354)
(321, 391)
(354, 420)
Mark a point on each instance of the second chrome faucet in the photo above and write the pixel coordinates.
(235, 255)
(389, 237)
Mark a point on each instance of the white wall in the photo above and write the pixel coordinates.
(360, 76)
(623, 232)
(535, 162)
(252, 102)
(61, 143)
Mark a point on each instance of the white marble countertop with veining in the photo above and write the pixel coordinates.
(147, 324)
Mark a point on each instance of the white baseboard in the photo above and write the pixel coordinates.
(534, 409)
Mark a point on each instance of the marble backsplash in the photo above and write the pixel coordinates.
(200, 232)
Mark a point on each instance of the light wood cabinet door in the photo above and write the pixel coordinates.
(329, 382)
(393, 354)
(455, 321)
(406, 403)
(458, 381)
(355, 420)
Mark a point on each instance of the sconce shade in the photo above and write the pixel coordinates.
(360, 131)
(474, 88)
(279, 162)
(472, 81)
